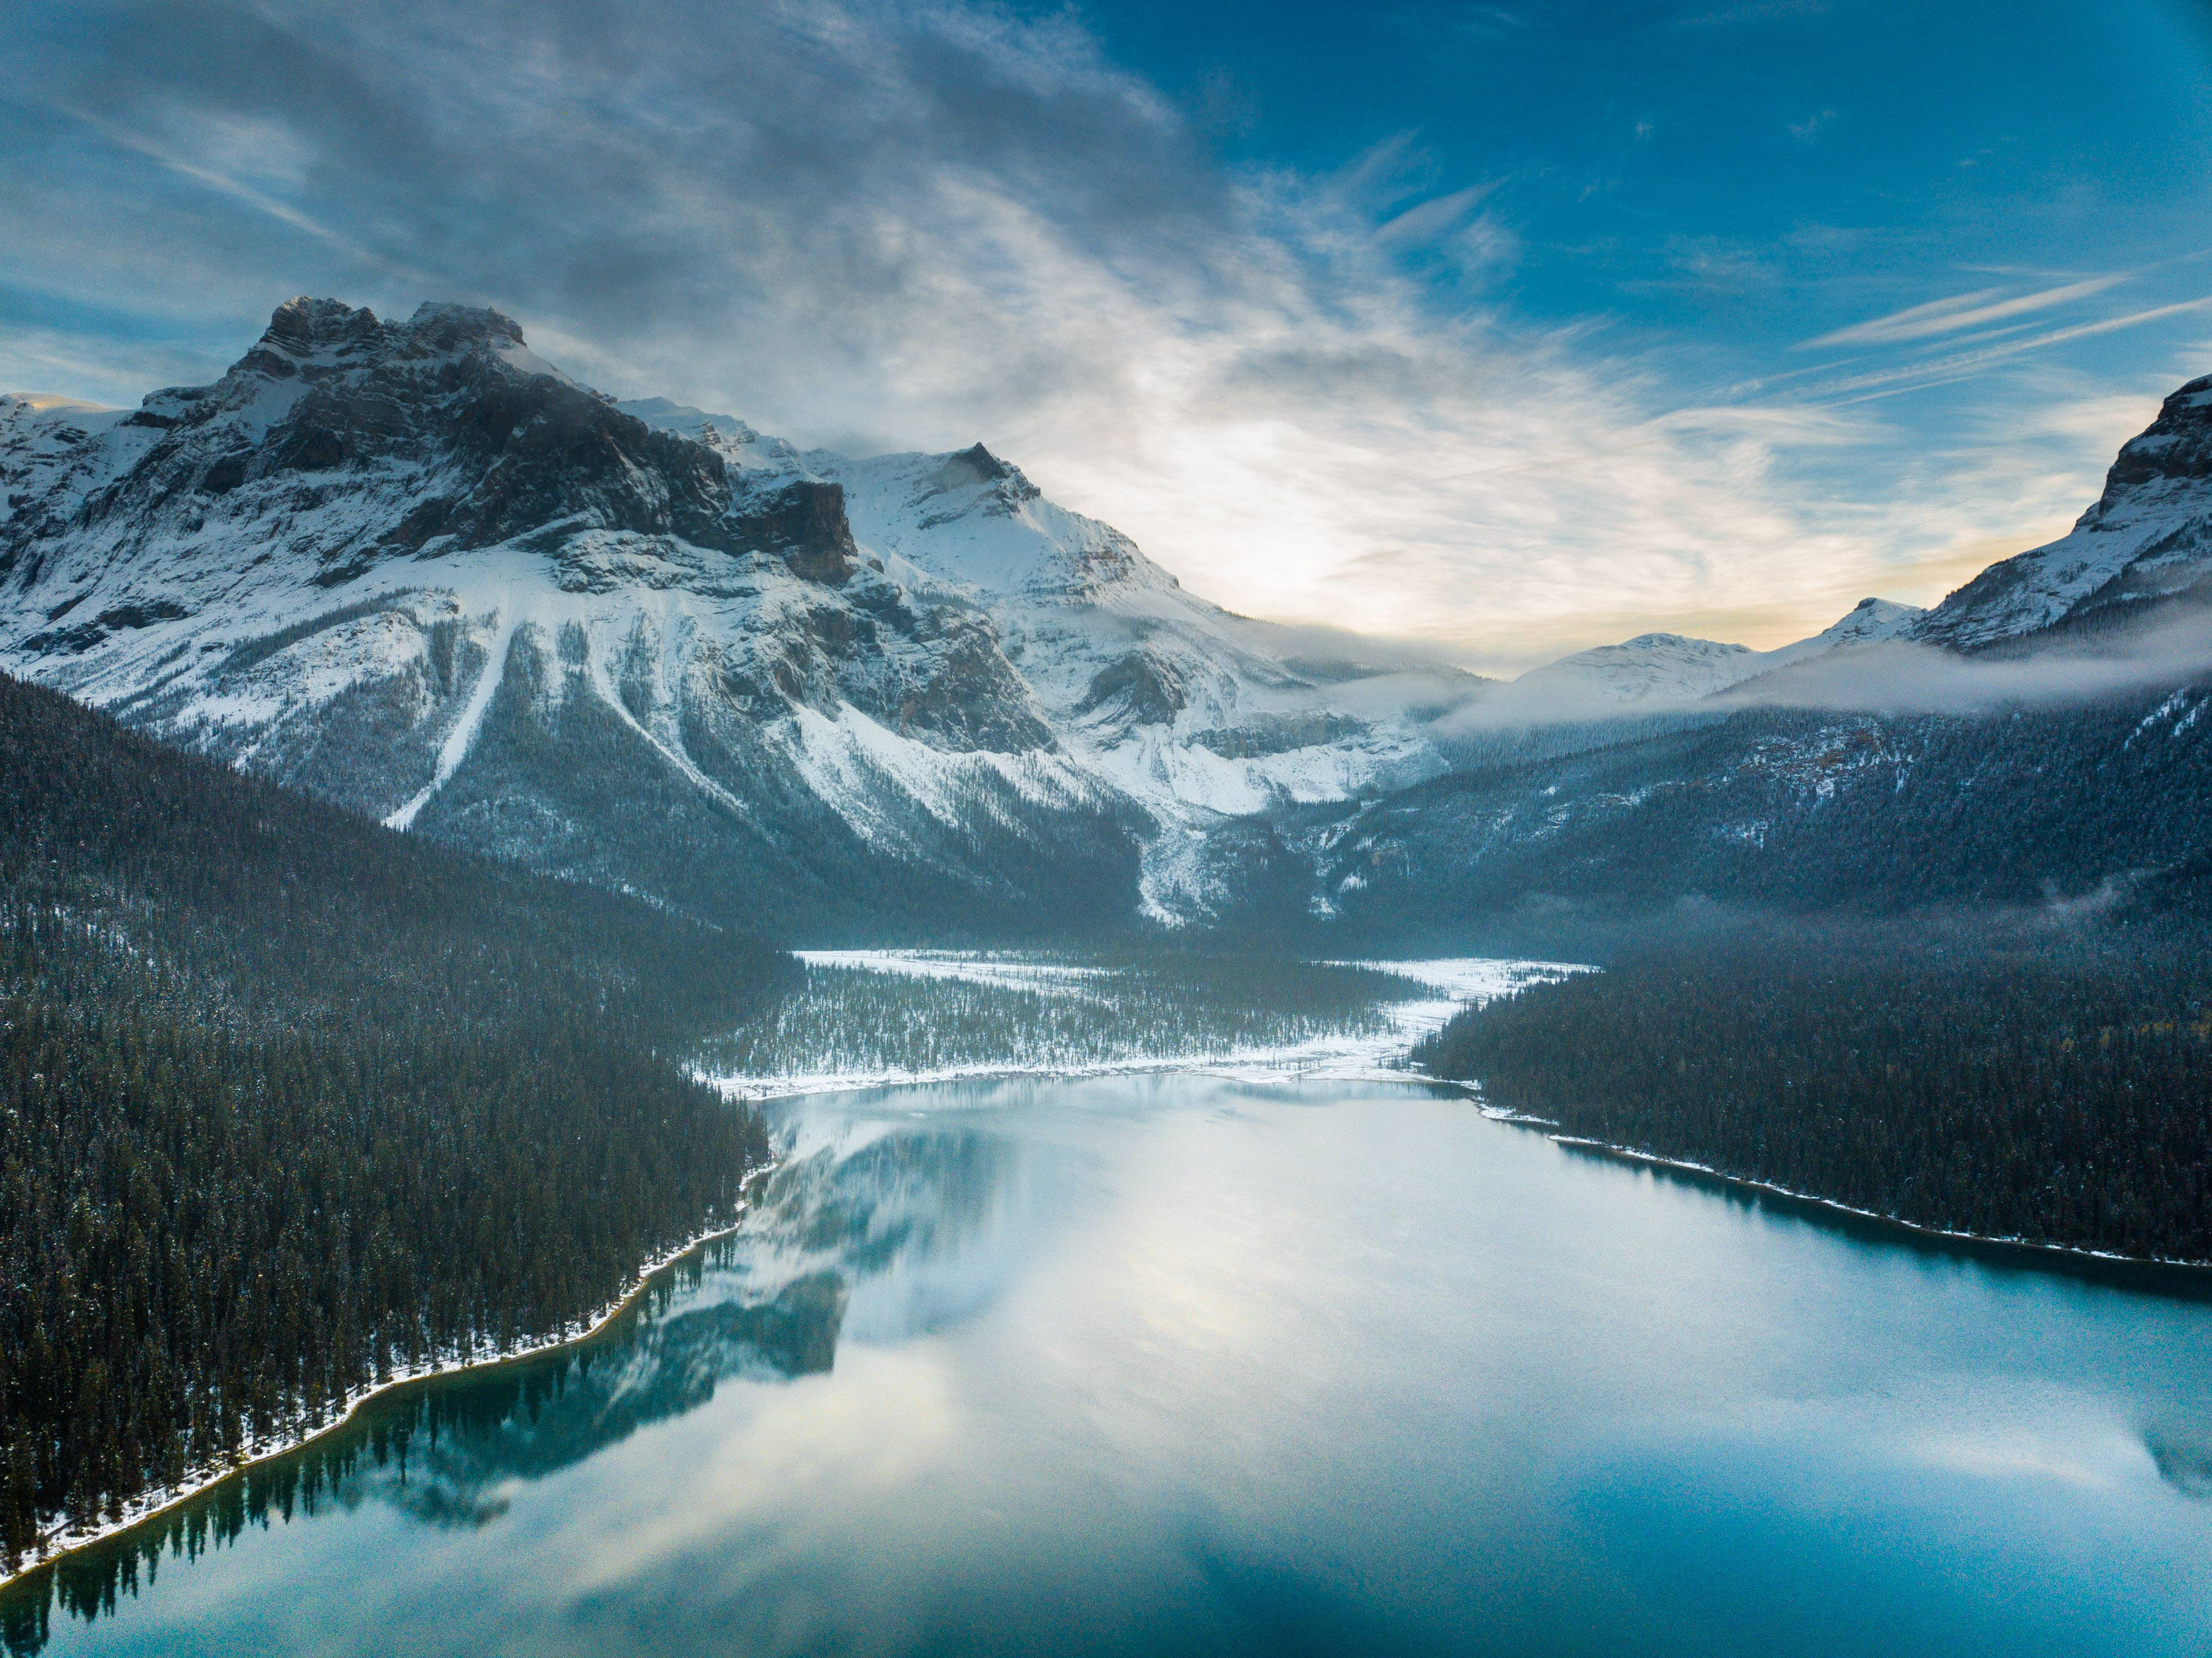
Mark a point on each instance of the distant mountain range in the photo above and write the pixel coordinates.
(415, 568)
(1665, 667)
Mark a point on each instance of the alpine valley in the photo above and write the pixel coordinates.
(415, 568)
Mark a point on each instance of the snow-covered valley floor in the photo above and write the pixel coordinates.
(1014, 1020)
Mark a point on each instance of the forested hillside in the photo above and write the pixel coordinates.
(287, 1100)
(1804, 810)
(2039, 1083)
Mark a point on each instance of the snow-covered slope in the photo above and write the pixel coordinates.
(1870, 622)
(1651, 667)
(1202, 716)
(1654, 669)
(2147, 537)
(414, 567)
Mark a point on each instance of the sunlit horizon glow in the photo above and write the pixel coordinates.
(1598, 351)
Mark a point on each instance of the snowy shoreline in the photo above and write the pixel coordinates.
(1377, 1056)
(153, 1504)
(1257, 1065)
(1628, 1153)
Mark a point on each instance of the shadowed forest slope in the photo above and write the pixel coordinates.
(288, 1098)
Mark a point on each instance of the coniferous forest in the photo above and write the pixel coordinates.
(2034, 1082)
(287, 1100)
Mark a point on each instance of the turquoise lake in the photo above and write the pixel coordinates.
(1190, 1365)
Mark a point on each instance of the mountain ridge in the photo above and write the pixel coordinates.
(415, 569)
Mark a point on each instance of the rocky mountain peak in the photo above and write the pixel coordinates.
(447, 327)
(311, 339)
(306, 327)
(981, 460)
(355, 440)
(2146, 539)
(1870, 619)
(2175, 449)
(977, 465)
(1002, 487)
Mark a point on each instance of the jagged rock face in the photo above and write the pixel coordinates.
(1141, 689)
(475, 442)
(2174, 450)
(2147, 537)
(413, 568)
(804, 521)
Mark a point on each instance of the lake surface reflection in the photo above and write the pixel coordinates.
(1170, 1365)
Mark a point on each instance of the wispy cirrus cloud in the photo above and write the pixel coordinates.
(1427, 221)
(1960, 311)
(211, 173)
(1963, 364)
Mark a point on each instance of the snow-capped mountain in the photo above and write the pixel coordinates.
(2149, 537)
(1870, 622)
(414, 567)
(1662, 668)
(1202, 716)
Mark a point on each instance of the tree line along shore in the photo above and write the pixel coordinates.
(2034, 1079)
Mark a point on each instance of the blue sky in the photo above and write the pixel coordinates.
(1731, 182)
(1510, 329)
